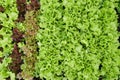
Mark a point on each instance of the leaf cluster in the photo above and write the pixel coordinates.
(7, 17)
(78, 40)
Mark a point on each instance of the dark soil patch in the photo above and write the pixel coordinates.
(1, 60)
(1, 49)
(1, 27)
(36, 78)
(2, 9)
(8, 78)
(100, 66)
(1, 36)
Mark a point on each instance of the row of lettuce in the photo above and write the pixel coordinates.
(7, 21)
(78, 39)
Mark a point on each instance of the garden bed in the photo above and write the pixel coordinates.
(59, 40)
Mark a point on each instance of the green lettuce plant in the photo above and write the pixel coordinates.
(78, 40)
(7, 19)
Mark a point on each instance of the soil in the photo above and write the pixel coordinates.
(36, 78)
(1, 58)
(2, 9)
(1, 27)
(1, 37)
